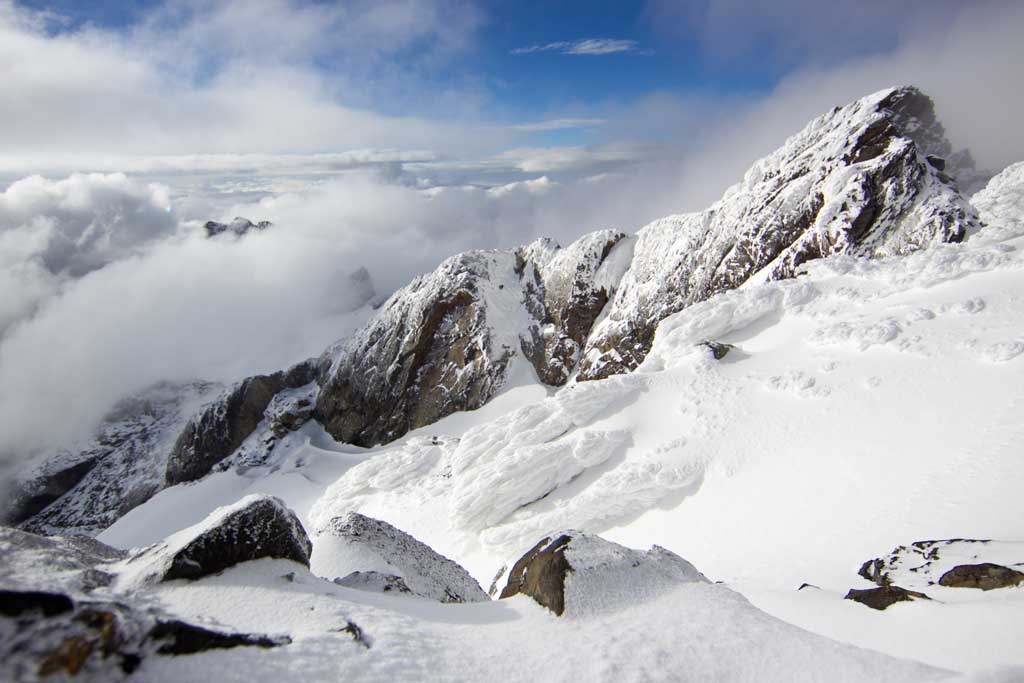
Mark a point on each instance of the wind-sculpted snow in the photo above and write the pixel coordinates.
(1001, 205)
(855, 181)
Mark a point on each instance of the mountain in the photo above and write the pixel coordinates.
(239, 226)
(865, 180)
(806, 397)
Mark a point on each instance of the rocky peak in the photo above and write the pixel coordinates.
(239, 226)
(854, 181)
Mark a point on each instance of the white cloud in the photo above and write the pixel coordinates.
(586, 46)
(55, 231)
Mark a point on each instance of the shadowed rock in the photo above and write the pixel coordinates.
(882, 597)
(256, 527)
(986, 576)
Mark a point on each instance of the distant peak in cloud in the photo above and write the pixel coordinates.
(586, 46)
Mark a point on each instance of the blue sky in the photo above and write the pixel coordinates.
(717, 49)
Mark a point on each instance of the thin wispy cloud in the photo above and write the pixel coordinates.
(558, 124)
(587, 46)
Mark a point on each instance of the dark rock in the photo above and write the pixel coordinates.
(224, 424)
(540, 573)
(986, 576)
(256, 527)
(718, 349)
(357, 634)
(32, 497)
(808, 585)
(883, 596)
(14, 603)
(239, 226)
(177, 637)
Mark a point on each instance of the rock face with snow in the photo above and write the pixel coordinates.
(255, 527)
(222, 426)
(75, 564)
(855, 181)
(355, 547)
(445, 342)
(985, 576)
(576, 572)
(86, 489)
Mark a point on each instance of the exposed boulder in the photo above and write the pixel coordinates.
(855, 181)
(358, 547)
(986, 576)
(222, 426)
(882, 597)
(255, 527)
(577, 572)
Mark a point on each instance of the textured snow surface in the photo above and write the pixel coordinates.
(1001, 205)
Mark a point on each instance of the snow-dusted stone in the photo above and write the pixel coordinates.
(357, 543)
(375, 582)
(256, 526)
(970, 562)
(223, 425)
(884, 596)
(76, 564)
(578, 573)
(855, 181)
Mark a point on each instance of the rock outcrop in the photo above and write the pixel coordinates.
(255, 527)
(855, 181)
(445, 342)
(574, 573)
(239, 226)
(84, 490)
(357, 548)
(221, 427)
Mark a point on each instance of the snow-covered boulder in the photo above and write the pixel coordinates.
(577, 573)
(255, 527)
(863, 179)
(355, 547)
